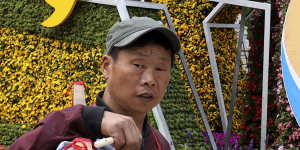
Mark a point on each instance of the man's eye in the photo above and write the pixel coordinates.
(138, 65)
(161, 69)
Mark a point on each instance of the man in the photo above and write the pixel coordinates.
(137, 66)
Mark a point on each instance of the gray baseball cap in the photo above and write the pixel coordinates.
(125, 32)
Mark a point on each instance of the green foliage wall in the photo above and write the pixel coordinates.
(38, 64)
(10, 132)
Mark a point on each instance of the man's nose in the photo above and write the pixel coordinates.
(148, 78)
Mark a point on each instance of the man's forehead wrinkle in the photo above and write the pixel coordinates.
(144, 52)
(164, 58)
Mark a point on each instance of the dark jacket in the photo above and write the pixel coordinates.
(78, 121)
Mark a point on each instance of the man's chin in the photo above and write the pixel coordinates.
(142, 110)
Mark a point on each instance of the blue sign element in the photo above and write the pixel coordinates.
(290, 84)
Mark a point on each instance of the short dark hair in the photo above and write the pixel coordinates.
(153, 37)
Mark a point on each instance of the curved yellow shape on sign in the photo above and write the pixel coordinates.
(292, 35)
(63, 8)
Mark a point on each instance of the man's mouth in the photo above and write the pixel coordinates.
(146, 96)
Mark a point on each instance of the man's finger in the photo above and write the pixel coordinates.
(119, 139)
(133, 137)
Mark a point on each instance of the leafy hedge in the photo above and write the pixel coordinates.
(88, 23)
(181, 119)
(10, 132)
(39, 64)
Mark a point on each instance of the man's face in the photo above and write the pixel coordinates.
(137, 79)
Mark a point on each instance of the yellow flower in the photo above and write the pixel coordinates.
(23, 126)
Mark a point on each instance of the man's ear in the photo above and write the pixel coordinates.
(106, 66)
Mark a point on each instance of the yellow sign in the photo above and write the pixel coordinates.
(63, 8)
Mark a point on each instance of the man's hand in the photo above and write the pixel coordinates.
(123, 129)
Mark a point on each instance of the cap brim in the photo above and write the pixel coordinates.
(171, 36)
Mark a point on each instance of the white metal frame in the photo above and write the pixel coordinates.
(207, 25)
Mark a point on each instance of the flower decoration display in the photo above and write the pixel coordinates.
(287, 132)
(39, 64)
(36, 72)
(187, 17)
(282, 129)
